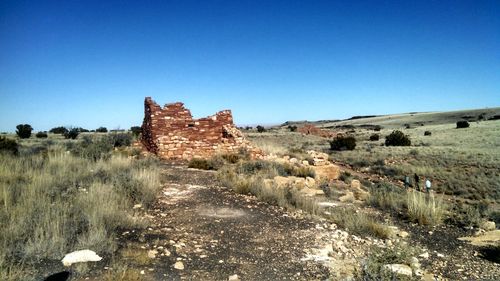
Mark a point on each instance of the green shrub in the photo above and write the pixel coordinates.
(121, 139)
(397, 138)
(378, 257)
(462, 124)
(101, 130)
(24, 131)
(374, 137)
(260, 129)
(8, 145)
(59, 130)
(292, 128)
(72, 133)
(427, 133)
(41, 135)
(136, 130)
(343, 143)
(93, 149)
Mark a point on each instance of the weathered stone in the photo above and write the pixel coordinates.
(80, 256)
(179, 265)
(313, 130)
(488, 225)
(329, 172)
(172, 133)
(152, 254)
(424, 255)
(348, 197)
(234, 277)
(310, 182)
(397, 269)
(280, 181)
(355, 184)
(312, 192)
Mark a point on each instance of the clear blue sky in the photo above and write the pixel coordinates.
(91, 63)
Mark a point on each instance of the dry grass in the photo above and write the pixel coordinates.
(462, 164)
(135, 255)
(123, 273)
(53, 203)
(360, 223)
(247, 179)
(426, 209)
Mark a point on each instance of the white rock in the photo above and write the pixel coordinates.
(179, 265)
(403, 234)
(80, 256)
(488, 225)
(424, 255)
(152, 254)
(234, 277)
(400, 269)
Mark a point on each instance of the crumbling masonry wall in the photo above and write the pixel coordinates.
(172, 133)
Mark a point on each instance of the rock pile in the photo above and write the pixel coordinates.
(323, 169)
(309, 129)
(172, 133)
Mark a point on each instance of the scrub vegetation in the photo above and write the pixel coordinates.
(55, 199)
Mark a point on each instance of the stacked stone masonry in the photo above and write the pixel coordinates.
(309, 129)
(172, 133)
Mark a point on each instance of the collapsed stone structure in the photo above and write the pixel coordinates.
(172, 133)
(309, 129)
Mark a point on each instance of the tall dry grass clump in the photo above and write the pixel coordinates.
(57, 202)
(427, 209)
(249, 177)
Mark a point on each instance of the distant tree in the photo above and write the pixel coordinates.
(397, 138)
(58, 130)
(82, 130)
(101, 130)
(462, 124)
(24, 130)
(260, 129)
(292, 128)
(248, 128)
(72, 133)
(136, 130)
(41, 135)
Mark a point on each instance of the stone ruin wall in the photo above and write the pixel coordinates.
(172, 133)
(309, 129)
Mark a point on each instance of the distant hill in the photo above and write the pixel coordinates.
(412, 119)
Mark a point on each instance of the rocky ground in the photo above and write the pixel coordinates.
(198, 230)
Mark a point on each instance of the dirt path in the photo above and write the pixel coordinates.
(215, 233)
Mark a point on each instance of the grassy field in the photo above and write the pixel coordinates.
(58, 196)
(414, 119)
(461, 163)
